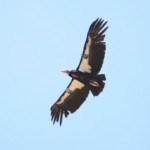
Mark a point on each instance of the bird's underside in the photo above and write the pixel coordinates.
(85, 78)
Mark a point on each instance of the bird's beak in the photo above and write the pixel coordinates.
(65, 71)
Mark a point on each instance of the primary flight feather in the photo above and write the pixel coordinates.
(85, 78)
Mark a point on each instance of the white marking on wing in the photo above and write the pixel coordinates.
(74, 85)
(85, 67)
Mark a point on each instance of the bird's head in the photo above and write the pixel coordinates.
(65, 71)
(71, 73)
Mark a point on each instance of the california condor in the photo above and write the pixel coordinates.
(85, 78)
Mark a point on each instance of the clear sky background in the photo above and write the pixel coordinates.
(38, 38)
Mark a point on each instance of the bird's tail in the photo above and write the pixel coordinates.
(97, 84)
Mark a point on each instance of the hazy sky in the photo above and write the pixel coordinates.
(38, 38)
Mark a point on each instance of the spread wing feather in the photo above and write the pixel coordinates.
(94, 48)
(69, 101)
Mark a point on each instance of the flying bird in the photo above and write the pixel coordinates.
(85, 78)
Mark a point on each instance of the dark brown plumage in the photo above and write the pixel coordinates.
(85, 78)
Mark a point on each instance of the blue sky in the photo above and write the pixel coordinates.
(38, 39)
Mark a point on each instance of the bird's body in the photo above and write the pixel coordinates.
(85, 78)
(91, 81)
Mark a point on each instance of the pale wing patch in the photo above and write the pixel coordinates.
(74, 85)
(85, 67)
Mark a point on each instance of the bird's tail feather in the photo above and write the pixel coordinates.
(97, 84)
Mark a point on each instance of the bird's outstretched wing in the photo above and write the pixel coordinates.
(69, 101)
(94, 48)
